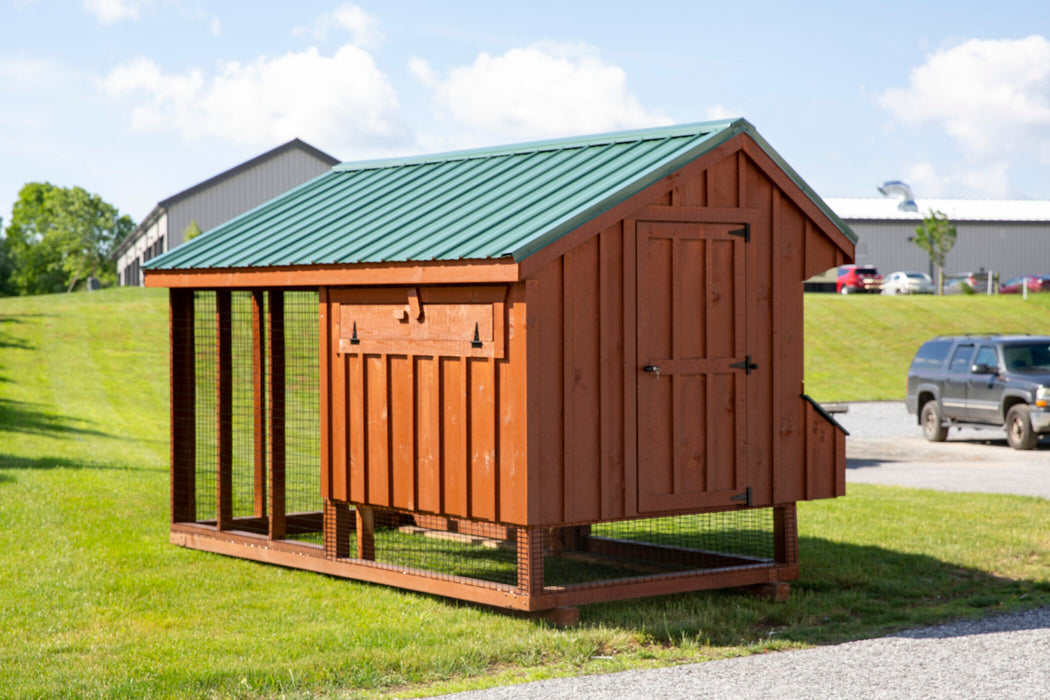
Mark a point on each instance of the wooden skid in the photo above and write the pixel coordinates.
(248, 545)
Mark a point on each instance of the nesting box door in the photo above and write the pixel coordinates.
(693, 364)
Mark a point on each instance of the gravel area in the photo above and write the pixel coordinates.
(1006, 656)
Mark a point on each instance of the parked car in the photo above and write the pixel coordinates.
(982, 381)
(956, 283)
(858, 278)
(1015, 285)
(902, 282)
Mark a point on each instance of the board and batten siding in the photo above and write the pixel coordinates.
(540, 424)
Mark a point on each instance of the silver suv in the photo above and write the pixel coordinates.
(982, 381)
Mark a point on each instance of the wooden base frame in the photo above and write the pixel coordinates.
(247, 538)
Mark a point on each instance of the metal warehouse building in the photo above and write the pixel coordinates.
(1007, 237)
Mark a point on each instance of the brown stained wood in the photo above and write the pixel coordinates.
(531, 545)
(355, 429)
(428, 434)
(276, 427)
(610, 372)
(223, 409)
(327, 390)
(722, 183)
(581, 359)
(366, 533)
(785, 534)
(360, 274)
(183, 401)
(546, 407)
(336, 528)
(512, 413)
(484, 471)
(377, 430)
(631, 376)
(403, 393)
(454, 436)
(259, 356)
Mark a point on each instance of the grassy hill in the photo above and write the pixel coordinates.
(94, 601)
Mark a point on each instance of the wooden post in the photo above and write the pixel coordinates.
(183, 404)
(224, 410)
(366, 533)
(259, 403)
(275, 349)
(530, 559)
(336, 529)
(785, 534)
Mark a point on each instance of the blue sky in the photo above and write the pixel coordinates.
(137, 100)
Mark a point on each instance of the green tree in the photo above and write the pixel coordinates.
(61, 235)
(191, 232)
(7, 267)
(936, 236)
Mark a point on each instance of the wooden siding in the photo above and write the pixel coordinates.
(439, 426)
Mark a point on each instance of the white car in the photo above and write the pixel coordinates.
(907, 283)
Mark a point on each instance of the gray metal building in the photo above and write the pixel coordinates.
(217, 200)
(1006, 237)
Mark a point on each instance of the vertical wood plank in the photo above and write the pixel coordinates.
(224, 410)
(483, 468)
(581, 366)
(546, 407)
(530, 559)
(512, 415)
(403, 431)
(258, 403)
(454, 440)
(610, 392)
(356, 438)
(630, 366)
(326, 386)
(377, 413)
(336, 529)
(785, 534)
(275, 349)
(183, 402)
(428, 441)
(366, 533)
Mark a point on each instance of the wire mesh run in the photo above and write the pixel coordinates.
(568, 556)
(245, 407)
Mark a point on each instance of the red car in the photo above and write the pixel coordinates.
(1036, 283)
(858, 278)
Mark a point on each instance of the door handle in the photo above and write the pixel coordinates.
(652, 369)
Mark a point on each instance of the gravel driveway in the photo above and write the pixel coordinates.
(1006, 656)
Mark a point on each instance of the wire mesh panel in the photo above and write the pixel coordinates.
(248, 397)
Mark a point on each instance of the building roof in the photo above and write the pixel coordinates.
(883, 208)
(487, 203)
(165, 204)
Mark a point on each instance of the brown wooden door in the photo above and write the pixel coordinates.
(692, 327)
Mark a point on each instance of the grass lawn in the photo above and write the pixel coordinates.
(94, 602)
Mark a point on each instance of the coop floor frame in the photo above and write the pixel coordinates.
(247, 538)
(245, 483)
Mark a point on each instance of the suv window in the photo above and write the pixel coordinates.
(961, 359)
(1027, 356)
(986, 356)
(931, 356)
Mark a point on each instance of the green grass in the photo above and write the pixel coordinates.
(94, 601)
(858, 347)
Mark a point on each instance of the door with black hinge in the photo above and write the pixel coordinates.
(693, 365)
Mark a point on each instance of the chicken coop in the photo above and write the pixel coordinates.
(532, 377)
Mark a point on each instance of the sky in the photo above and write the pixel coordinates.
(137, 100)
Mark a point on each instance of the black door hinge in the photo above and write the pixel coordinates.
(744, 233)
(745, 496)
(747, 365)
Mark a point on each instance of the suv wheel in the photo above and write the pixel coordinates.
(930, 417)
(1019, 431)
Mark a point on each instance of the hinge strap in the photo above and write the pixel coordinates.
(747, 365)
(744, 233)
(745, 496)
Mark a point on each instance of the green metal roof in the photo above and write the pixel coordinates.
(478, 204)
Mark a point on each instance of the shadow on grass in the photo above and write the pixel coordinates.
(31, 419)
(845, 592)
(12, 462)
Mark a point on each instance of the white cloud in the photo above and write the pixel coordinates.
(990, 96)
(718, 113)
(341, 102)
(544, 90)
(985, 181)
(112, 11)
(363, 28)
(31, 73)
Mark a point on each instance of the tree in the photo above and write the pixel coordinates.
(936, 235)
(61, 235)
(7, 267)
(191, 232)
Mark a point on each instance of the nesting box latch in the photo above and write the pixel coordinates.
(745, 497)
(476, 343)
(354, 340)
